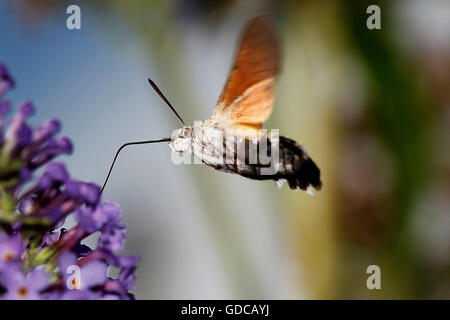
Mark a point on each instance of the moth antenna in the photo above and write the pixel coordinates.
(123, 146)
(155, 87)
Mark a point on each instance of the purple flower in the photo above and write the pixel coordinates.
(112, 238)
(4, 109)
(95, 219)
(91, 274)
(86, 192)
(55, 174)
(32, 237)
(114, 232)
(127, 274)
(18, 134)
(20, 286)
(77, 295)
(50, 237)
(6, 81)
(53, 148)
(45, 131)
(10, 249)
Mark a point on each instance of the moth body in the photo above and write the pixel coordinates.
(258, 157)
(232, 139)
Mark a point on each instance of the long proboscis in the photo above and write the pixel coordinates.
(125, 145)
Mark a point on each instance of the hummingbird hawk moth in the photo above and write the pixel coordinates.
(232, 139)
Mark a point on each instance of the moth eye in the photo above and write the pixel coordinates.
(186, 134)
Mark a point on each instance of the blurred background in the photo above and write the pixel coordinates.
(371, 106)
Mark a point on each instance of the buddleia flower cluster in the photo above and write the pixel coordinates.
(40, 257)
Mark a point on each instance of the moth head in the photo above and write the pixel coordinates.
(181, 140)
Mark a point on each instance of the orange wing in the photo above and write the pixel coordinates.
(248, 95)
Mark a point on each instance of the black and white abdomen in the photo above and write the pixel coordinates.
(296, 167)
(268, 157)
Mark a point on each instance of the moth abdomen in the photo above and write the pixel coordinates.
(289, 163)
(296, 167)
